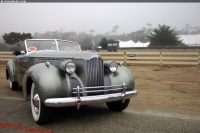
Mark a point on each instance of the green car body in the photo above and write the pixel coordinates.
(61, 78)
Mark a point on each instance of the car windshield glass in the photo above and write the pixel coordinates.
(68, 46)
(35, 45)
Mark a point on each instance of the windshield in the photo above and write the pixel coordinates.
(37, 45)
(67, 45)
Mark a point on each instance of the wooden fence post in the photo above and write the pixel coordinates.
(199, 58)
(125, 58)
(161, 58)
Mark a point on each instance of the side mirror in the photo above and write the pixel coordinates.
(16, 53)
(23, 52)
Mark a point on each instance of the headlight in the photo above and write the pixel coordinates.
(113, 66)
(70, 67)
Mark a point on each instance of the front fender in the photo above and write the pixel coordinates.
(10, 70)
(50, 82)
(123, 75)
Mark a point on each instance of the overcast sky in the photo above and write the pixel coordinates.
(82, 17)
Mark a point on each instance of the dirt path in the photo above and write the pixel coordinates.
(164, 89)
(167, 89)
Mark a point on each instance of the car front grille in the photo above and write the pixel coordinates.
(95, 75)
(74, 83)
(101, 90)
(107, 82)
(95, 72)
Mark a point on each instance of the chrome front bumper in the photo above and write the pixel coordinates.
(86, 100)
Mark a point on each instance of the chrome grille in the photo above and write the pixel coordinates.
(95, 75)
(107, 82)
(74, 82)
(96, 90)
(95, 72)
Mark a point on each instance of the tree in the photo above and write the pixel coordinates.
(115, 29)
(164, 36)
(91, 31)
(149, 25)
(107, 33)
(132, 36)
(140, 35)
(14, 38)
(111, 41)
(103, 43)
(86, 44)
(4, 47)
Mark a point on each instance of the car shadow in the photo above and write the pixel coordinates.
(86, 114)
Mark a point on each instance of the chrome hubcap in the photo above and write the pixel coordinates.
(36, 100)
(35, 103)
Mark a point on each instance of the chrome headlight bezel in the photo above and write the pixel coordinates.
(70, 67)
(113, 66)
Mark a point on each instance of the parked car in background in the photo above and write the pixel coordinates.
(57, 73)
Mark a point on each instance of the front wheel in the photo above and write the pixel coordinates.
(118, 105)
(39, 110)
(13, 85)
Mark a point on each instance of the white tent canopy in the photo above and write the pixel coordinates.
(130, 43)
(190, 40)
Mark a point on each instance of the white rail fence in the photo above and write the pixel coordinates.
(141, 57)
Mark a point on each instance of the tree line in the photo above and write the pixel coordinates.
(163, 35)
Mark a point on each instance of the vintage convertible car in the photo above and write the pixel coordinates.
(56, 73)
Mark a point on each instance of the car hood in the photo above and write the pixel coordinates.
(63, 54)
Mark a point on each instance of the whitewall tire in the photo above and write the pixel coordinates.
(38, 109)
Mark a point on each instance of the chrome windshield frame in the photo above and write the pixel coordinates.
(56, 42)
